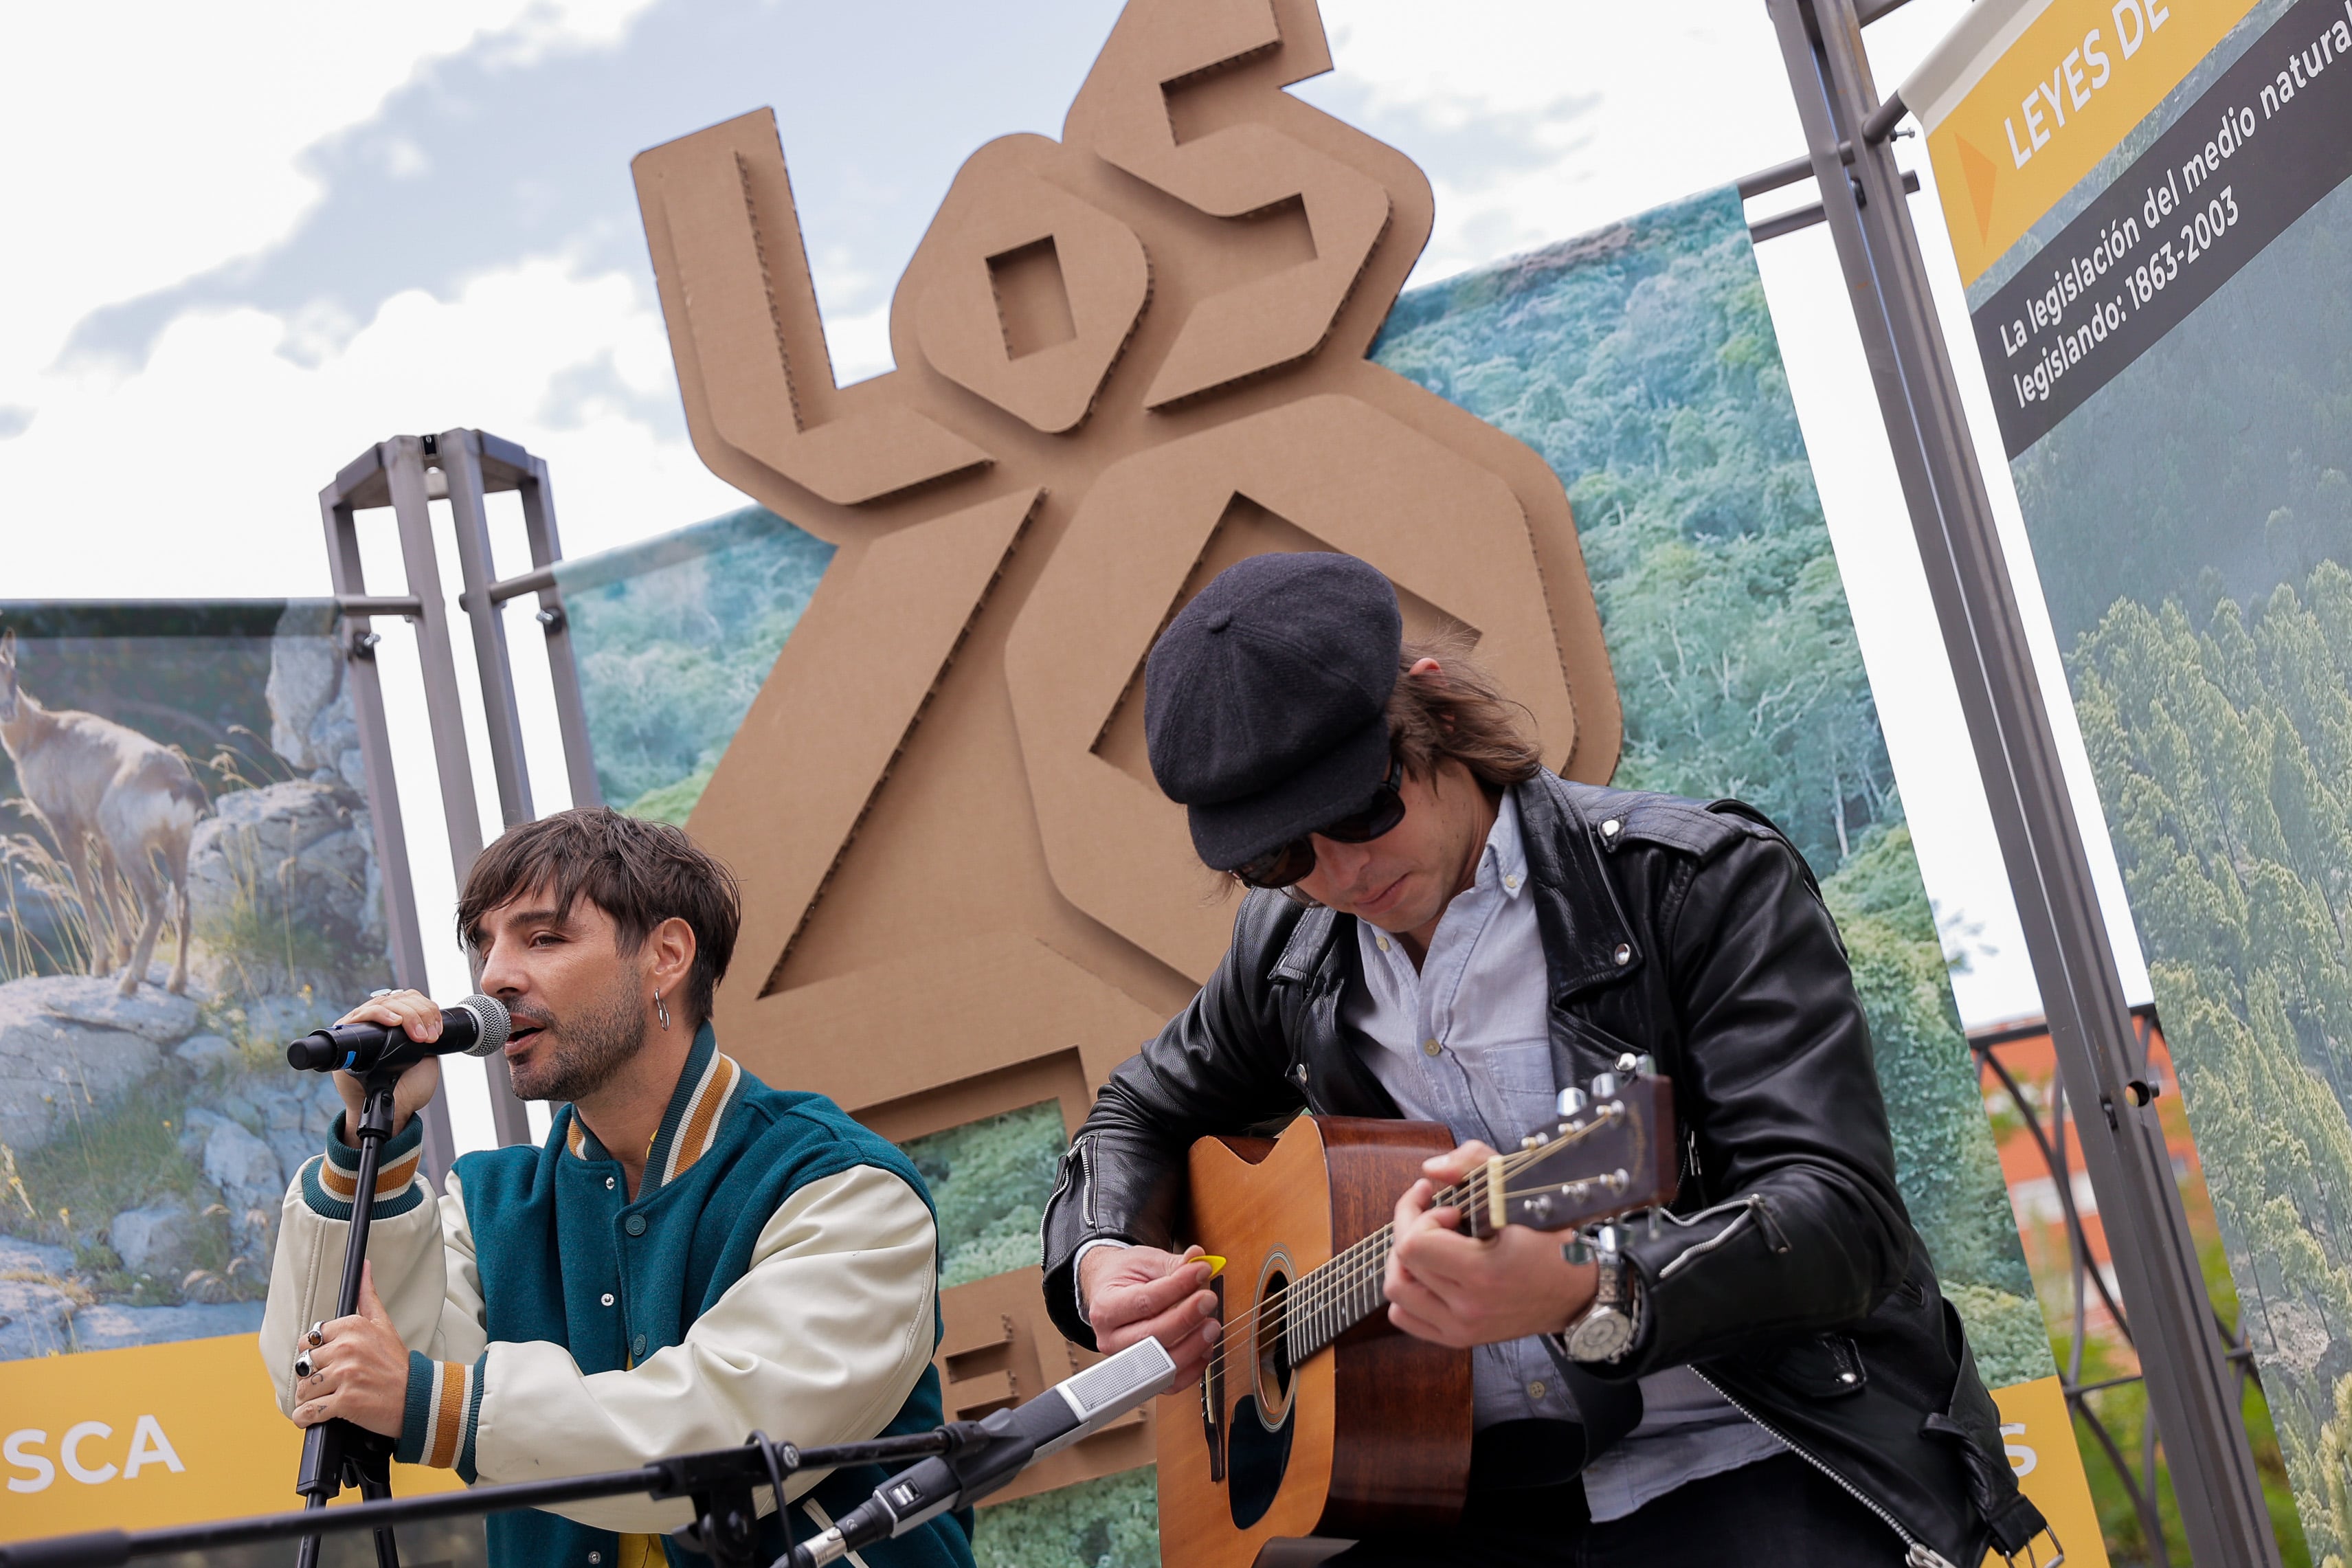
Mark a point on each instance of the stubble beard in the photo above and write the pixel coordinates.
(586, 1052)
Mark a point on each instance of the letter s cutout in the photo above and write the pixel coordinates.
(18, 1451)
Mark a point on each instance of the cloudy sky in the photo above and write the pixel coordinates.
(249, 240)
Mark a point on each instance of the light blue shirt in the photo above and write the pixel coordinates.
(1466, 1040)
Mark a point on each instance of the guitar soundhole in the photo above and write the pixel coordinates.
(1273, 1349)
(1257, 1439)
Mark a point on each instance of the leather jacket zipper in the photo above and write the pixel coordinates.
(1069, 1167)
(1918, 1553)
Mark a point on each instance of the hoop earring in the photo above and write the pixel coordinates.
(663, 1008)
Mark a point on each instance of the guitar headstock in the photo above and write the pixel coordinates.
(1611, 1153)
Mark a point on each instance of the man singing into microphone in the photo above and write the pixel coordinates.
(690, 1256)
(1444, 931)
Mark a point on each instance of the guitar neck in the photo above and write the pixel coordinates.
(1328, 1300)
(1613, 1159)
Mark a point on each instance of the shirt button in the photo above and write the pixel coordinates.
(1430, 1048)
(1536, 1389)
(1382, 942)
(1624, 955)
(608, 1298)
(637, 1347)
(1512, 882)
(608, 1183)
(635, 1225)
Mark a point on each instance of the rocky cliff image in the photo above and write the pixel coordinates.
(187, 880)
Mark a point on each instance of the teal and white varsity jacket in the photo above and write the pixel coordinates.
(778, 1271)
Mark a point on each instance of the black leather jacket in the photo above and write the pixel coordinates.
(1696, 935)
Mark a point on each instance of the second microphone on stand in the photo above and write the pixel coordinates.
(476, 1026)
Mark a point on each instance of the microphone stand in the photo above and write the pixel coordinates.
(337, 1454)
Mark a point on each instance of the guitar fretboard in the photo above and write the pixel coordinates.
(1332, 1298)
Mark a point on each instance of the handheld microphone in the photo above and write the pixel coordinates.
(996, 1449)
(478, 1025)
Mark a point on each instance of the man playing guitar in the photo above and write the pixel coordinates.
(1443, 929)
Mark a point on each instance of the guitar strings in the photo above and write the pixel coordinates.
(1366, 1258)
(1356, 1264)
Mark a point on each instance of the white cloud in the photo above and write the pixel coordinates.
(153, 141)
(212, 457)
(1615, 108)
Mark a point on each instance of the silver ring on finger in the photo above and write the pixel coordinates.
(302, 1367)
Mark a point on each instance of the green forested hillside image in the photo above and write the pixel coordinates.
(1641, 362)
(2192, 526)
(674, 636)
(2223, 748)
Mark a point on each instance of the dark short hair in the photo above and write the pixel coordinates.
(1459, 714)
(641, 873)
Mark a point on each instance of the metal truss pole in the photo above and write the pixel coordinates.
(358, 645)
(480, 463)
(2193, 1391)
(393, 473)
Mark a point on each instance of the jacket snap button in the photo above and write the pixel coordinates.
(635, 1224)
(608, 1183)
(608, 1298)
(1624, 955)
(1609, 828)
(637, 1346)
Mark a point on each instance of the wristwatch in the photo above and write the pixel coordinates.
(1608, 1327)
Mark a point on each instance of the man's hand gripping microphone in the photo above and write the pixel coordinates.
(478, 1026)
(992, 1452)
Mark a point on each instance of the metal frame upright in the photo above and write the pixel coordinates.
(2193, 1391)
(408, 473)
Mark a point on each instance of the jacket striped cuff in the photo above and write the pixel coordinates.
(330, 1184)
(445, 1402)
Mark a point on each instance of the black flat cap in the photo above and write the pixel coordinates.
(1264, 702)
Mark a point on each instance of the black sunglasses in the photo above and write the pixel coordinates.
(1288, 863)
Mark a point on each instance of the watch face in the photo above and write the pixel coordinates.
(1601, 1334)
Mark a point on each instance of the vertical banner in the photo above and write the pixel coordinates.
(188, 880)
(2151, 205)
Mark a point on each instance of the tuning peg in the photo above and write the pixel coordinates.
(1572, 1101)
(1630, 1065)
(1605, 1086)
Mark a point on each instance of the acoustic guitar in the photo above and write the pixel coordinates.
(1317, 1423)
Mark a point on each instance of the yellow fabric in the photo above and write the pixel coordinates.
(641, 1551)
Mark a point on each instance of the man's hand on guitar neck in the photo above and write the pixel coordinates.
(1446, 1287)
(1134, 1292)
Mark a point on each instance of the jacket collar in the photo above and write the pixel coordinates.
(705, 1088)
(1587, 939)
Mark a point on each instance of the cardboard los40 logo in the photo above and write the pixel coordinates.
(1126, 359)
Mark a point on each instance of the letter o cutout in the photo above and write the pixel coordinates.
(1440, 526)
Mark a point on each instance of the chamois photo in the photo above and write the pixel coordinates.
(116, 803)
